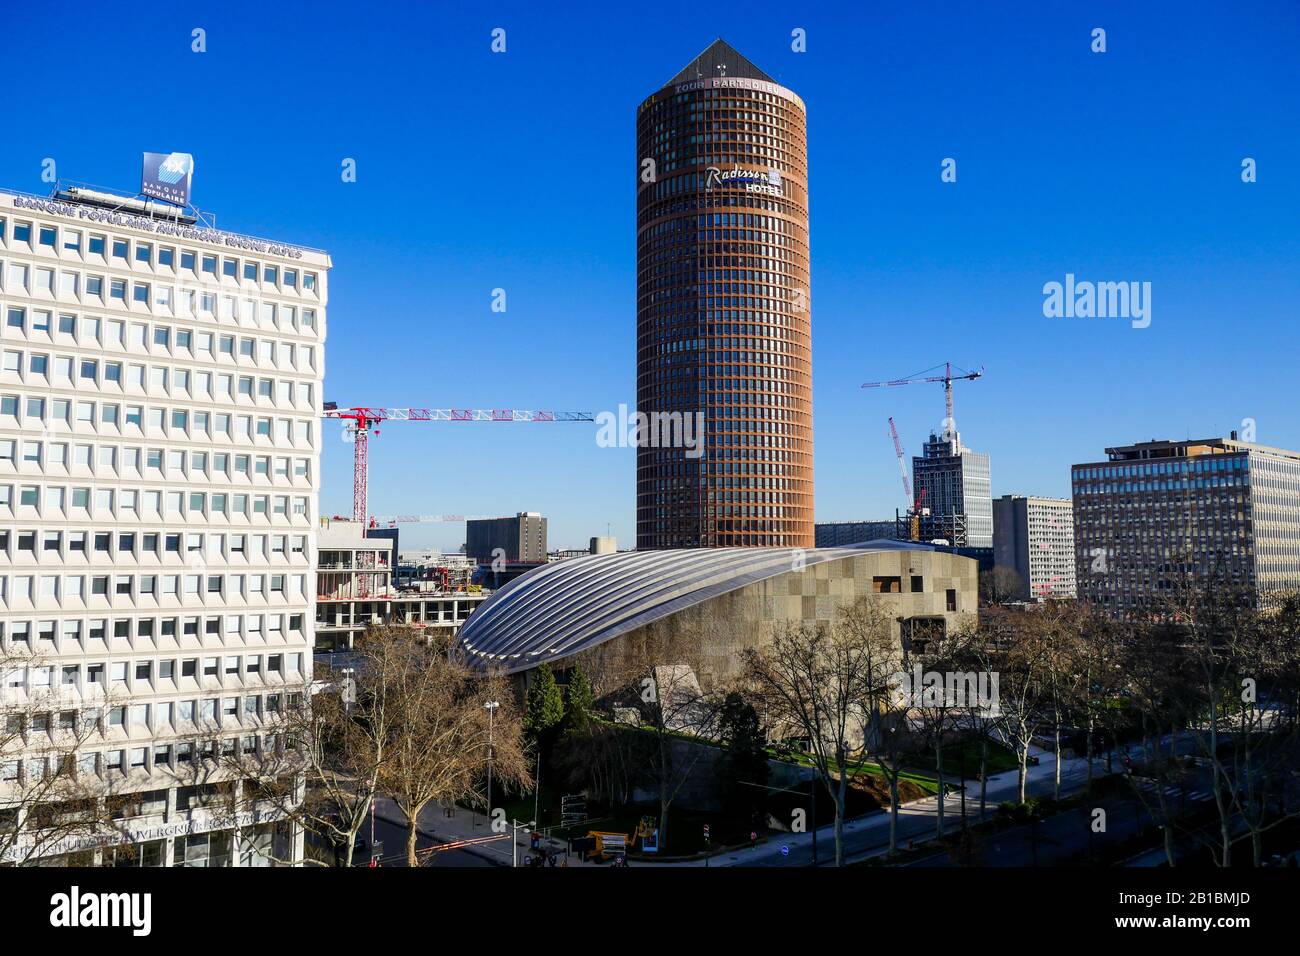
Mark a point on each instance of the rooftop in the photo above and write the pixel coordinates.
(144, 218)
(719, 59)
(1164, 448)
(566, 607)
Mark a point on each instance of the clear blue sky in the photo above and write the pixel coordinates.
(478, 171)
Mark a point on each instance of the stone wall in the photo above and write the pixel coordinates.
(717, 630)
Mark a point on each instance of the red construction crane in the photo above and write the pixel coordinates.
(947, 378)
(916, 507)
(902, 466)
(362, 422)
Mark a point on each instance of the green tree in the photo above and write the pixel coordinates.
(743, 761)
(545, 706)
(578, 702)
(543, 717)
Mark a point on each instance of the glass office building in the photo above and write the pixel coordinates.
(1161, 517)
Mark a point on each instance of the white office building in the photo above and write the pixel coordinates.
(1034, 537)
(160, 394)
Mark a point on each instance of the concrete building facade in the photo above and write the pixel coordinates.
(1162, 517)
(159, 454)
(355, 590)
(1034, 537)
(724, 341)
(520, 538)
(839, 534)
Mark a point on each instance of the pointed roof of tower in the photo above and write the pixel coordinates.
(719, 59)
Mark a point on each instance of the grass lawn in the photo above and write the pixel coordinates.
(965, 755)
(926, 784)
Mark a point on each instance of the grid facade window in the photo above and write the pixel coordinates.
(1165, 516)
(159, 459)
(723, 314)
(1034, 538)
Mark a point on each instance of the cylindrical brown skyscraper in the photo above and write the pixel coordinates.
(723, 321)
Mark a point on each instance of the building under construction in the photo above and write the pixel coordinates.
(950, 491)
(355, 590)
(957, 490)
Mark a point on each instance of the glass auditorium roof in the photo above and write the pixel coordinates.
(570, 606)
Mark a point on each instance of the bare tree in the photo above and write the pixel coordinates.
(818, 681)
(1059, 635)
(324, 771)
(655, 679)
(1240, 663)
(1162, 695)
(1094, 675)
(660, 675)
(889, 736)
(1020, 656)
(982, 651)
(676, 707)
(934, 709)
(1000, 584)
(435, 743)
(602, 757)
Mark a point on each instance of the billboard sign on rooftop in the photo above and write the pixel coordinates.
(167, 176)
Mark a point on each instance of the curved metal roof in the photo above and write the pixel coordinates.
(569, 606)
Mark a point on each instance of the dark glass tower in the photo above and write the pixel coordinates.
(723, 319)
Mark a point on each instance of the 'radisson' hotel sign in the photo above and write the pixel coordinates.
(753, 181)
(158, 226)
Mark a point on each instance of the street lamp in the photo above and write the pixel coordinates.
(514, 839)
(491, 707)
